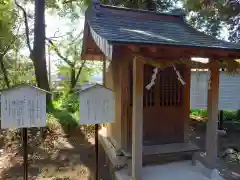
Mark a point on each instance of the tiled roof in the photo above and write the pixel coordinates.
(114, 28)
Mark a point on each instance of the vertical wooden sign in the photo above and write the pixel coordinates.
(97, 106)
(23, 106)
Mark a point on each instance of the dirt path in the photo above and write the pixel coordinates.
(58, 157)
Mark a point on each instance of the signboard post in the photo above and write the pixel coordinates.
(96, 107)
(25, 153)
(23, 106)
(96, 150)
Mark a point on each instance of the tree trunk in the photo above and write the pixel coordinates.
(4, 71)
(72, 79)
(74, 76)
(38, 55)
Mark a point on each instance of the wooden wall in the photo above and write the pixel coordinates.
(165, 108)
(117, 79)
(165, 105)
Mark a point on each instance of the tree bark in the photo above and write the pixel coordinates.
(72, 80)
(38, 54)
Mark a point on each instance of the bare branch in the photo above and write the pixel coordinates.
(58, 52)
(60, 36)
(26, 25)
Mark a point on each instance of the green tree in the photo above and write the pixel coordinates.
(20, 70)
(37, 52)
(211, 16)
(73, 69)
(9, 36)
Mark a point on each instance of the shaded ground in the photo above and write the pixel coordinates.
(60, 156)
(70, 156)
(230, 166)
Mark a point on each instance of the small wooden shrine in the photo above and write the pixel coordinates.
(151, 124)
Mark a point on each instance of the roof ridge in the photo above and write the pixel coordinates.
(175, 14)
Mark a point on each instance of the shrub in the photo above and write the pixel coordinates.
(230, 115)
(227, 115)
(199, 112)
(68, 102)
(66, 119)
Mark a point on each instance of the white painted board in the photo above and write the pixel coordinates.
(97, 106)
(229, 91)
(23, 107)
(199, 90)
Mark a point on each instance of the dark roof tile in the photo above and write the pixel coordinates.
(122, 28)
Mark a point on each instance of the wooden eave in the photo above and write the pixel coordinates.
(90, 50)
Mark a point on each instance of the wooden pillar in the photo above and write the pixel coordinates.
(104, 71)
(220, 120)
(212, 124)
(137, 119)
(186, 95)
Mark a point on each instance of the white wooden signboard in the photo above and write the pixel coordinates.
(229, 92)
(23, 106)
(229, 88)
(96, 105)
(199, 90)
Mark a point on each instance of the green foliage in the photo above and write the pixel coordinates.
(66, 119)
(212, 16)
(69, 102)
(8, 18)
(61, 118)
(64, 72)
(227, 115)
(71, 69)
(199, 113)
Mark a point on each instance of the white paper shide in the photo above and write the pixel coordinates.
(23, 107)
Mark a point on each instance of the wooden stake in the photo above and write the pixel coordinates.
(25, 153)
(96, 150)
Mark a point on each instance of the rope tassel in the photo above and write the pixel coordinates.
(154, 76)
(179, 76)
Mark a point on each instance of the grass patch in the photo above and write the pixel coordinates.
(199, 113)
(227, 115)
(66, 119)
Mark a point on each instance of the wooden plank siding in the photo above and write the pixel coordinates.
(117, 78)
(164, 113)
(164, 106)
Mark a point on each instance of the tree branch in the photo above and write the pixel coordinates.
(68, 1)
(80, 70)
(58, 52)
(26, 25)
(7, 47)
